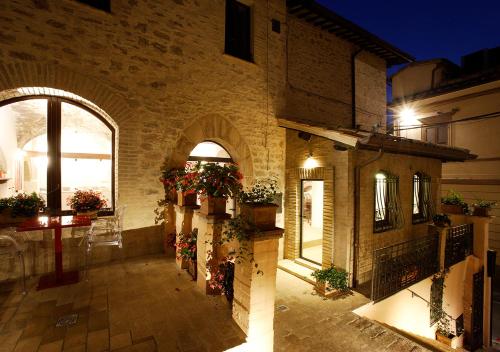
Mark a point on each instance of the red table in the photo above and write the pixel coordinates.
(56, 223)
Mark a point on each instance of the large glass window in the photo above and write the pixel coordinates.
(54, 147)
(311, 221)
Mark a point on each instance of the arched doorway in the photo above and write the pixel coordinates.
(54, 145)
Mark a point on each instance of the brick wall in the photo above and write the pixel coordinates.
(404, 167)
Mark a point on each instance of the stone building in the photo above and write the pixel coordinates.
(456, 106)
(102, 94)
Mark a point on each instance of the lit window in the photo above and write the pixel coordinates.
(422, 203)
(388, 214)
(54, 146)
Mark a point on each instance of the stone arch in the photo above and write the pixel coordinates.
(26, 74)
(217, 129)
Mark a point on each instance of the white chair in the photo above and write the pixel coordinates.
(13, 244)
(104, 232)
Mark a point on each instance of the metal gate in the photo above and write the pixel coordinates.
(476, 339)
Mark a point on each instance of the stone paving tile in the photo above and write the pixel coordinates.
(313, 323)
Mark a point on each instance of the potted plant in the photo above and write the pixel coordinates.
(186, 250)
(482, 207)
(221, 278)
(215, 184)
(331, 282)
(441, 220)
(185, 184)
(256, 204)
(453, 203)
(443, 330)
(87, 202)
(169, 183)
(20, 207)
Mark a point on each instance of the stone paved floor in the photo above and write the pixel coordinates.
(146, 304)
(311, 323)
(136, 305)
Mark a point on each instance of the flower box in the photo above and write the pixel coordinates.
(326, 291)
(186, 199)
(478, 211)
(452, 209)
(450, 340)
(6, 218)
(213, 205)
(263, 216)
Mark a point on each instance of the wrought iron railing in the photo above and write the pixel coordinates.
(459, 244)
(401, 265)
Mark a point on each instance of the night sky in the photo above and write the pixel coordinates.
(427, 29)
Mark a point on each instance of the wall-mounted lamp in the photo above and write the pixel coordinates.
(310, 162)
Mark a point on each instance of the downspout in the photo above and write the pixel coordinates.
(353, 87)
(357, 200)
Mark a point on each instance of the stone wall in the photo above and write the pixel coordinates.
(154, 67)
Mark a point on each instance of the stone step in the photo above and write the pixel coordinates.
(297, 270)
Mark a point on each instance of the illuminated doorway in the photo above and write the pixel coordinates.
(311, 220)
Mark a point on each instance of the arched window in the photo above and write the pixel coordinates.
(55, 146)
(422, 202)
(387, 208)
(211, 152)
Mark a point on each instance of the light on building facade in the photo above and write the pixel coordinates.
(310, 162)
(407, 116)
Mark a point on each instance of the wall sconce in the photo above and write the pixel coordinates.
(310, 162)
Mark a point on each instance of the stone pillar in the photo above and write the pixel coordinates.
(481, 234)
(169, 225)
(183, 224)
(210, 228)
(254, 292)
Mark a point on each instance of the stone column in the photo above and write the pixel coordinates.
(183, 224)
(210, 229)
(169, 222)
(254, 292)
(481, 234)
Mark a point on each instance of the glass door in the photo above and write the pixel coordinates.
(311, 221)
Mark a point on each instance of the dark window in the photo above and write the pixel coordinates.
(387, 214)
(436, 135)
(238, 30)
(104, 5)
(422, 199)
(276, 26)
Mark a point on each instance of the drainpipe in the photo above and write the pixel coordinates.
(353, 87)
(357, 198)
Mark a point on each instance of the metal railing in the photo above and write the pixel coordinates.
(459, 244)
(401, 265)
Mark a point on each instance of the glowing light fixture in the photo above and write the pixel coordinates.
(310, 162)
(380, 176)
(408, 116)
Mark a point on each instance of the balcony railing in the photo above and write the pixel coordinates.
(401, 265)
(459, 244)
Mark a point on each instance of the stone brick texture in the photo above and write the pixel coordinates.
(158, 69)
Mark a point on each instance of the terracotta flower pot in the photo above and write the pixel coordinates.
(186, 199)
(89, 213)
(452, 209)
(478, 211)
(213, 205)
(263, 216)
(172, 196)
(444, 339)
(323, 290)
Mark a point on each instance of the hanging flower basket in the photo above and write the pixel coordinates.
(213, 205)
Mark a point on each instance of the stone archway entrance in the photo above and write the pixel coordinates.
(219, 130)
